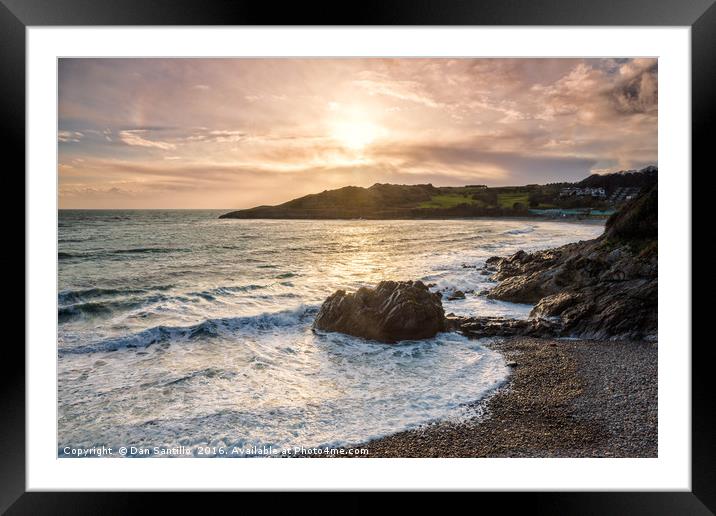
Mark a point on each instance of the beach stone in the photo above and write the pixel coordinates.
(458, 294)
(390, 312)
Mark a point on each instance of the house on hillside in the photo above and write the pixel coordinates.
(596, 193)
(624, 194)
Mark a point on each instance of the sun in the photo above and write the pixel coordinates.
(355, 135)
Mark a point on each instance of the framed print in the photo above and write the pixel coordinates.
(419, 247)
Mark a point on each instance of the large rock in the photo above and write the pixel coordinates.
(624, 309)
(528, 277)
(390, 312)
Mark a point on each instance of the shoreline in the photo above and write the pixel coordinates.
(520, 218)
(563, 398)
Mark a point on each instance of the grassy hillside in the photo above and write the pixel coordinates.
(509, 199)
(449, 200)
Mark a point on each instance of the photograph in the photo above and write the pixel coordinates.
(357, 257)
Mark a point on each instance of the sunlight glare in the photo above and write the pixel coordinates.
(355, 135)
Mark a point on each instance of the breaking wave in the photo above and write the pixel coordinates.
(209, 328)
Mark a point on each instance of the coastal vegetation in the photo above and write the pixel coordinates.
(449, 200)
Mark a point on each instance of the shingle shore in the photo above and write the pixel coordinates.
(565, 398)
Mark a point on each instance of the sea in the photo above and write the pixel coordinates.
(180, 330)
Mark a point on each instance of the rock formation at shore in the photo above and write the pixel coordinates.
(494, 326)
(601, 288)
(390, 312)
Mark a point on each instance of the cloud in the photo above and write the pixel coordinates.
(134, 137)
(80, 192)
(218, 136)
(69, 136)
(638, 92)
(474, 162)
(407, 90)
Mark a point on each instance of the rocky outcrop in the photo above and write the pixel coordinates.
(503, 327)
(602, 288)
(523, 277)
(390, 312)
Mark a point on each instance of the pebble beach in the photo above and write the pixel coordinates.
(564, 398)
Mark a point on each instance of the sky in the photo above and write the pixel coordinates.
(237, 133)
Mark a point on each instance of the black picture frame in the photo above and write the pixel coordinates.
(700, 15)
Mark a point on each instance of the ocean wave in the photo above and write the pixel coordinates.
(73, 240)
(209, 373)
(205, 329)
(67, 255)
(142, 250)
(100, 308)
(80, 295)
(465, 236)
(519, 231)
(96, 302)
(210, 294)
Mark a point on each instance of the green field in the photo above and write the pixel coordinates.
(448, 201)
(508, 200)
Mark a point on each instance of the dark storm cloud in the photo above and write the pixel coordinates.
(639, 93)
